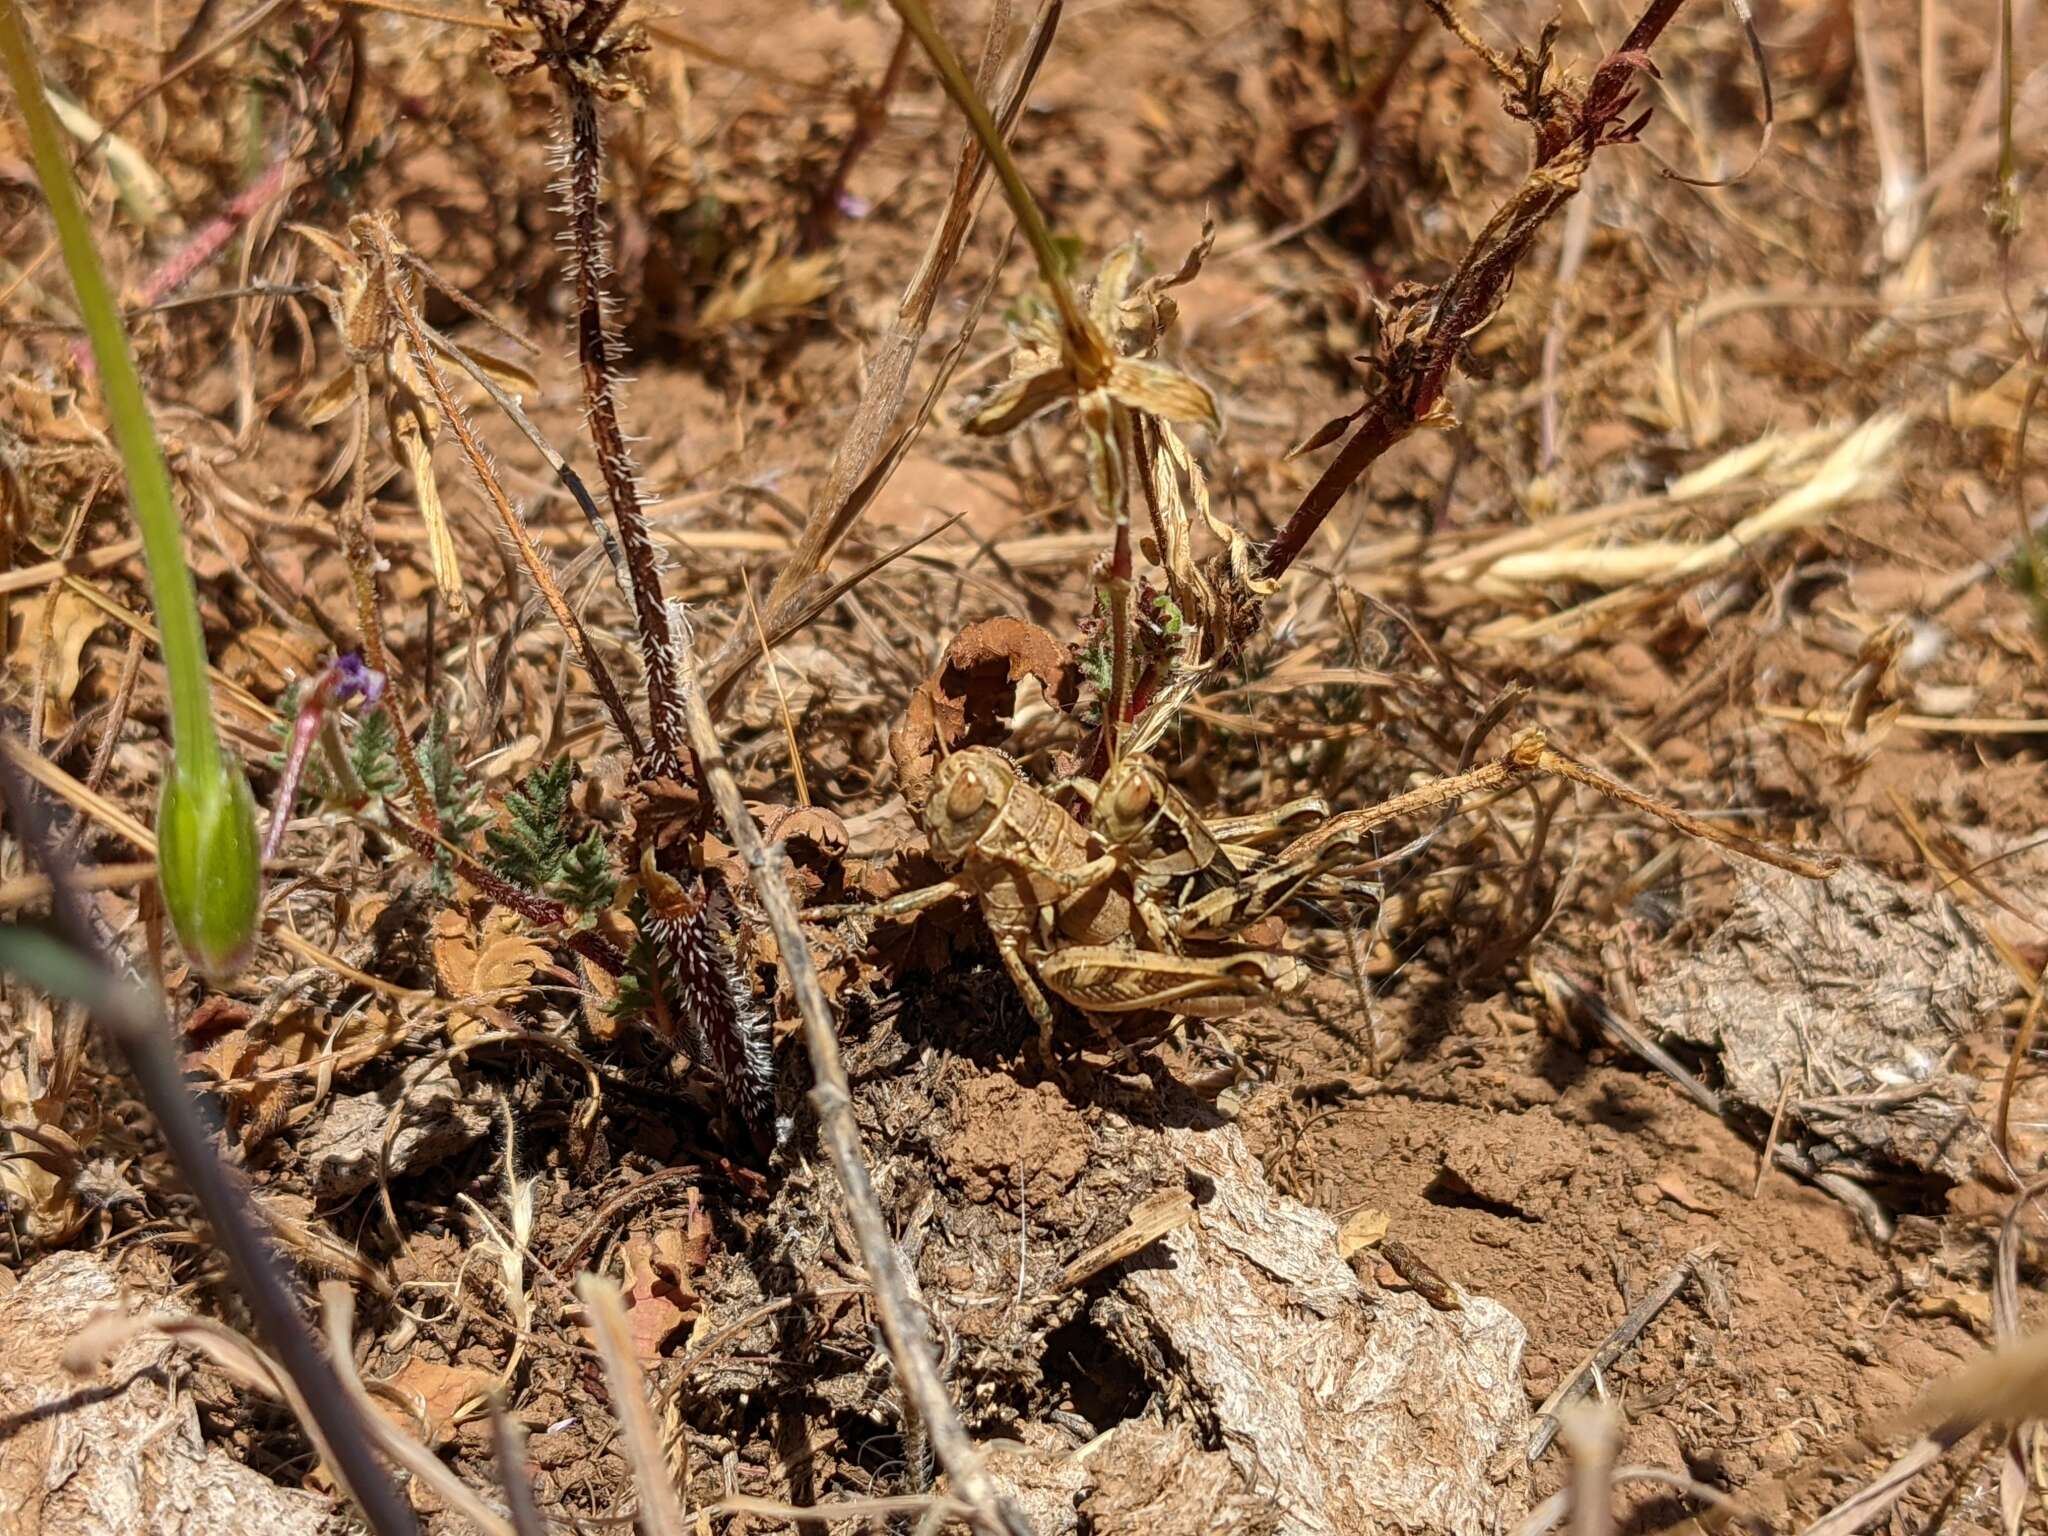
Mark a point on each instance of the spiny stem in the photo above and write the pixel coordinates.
(1567, 135)
(596, 352)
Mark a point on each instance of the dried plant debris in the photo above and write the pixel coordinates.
(970, 699)
(1068, 687)
(421, 1117)
(1848, 1001)
(119, 1450)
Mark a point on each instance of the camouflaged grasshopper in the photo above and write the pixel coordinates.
(1064, 917)
(1192, 876)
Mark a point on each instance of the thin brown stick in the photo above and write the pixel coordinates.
(1550, 1416)
(2023, 1042)
(359, 549)
(871, 111)
(1555, 762)
(904, 1328)
(480, 467)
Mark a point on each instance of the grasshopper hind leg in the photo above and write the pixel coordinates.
(1036, 1003)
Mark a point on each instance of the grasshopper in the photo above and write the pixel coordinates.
(1194, 876)
(1065, 919)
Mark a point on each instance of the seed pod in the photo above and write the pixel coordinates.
(209, 864)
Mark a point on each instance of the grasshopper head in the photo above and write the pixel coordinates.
(1132, 793)
(968, 793)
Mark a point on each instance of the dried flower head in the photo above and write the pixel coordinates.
(1108, 370)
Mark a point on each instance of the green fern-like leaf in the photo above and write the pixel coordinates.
(532, 845)
(374, 754)
(587, 880)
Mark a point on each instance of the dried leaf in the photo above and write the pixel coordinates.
(968, 701)
(660, 1282)
(774, 285)
(43, 1198)
(1019, 399)
(74, 620)
(482, 967)
(1998, 407)
(143, 192)
(327, 399)
(1161, 391)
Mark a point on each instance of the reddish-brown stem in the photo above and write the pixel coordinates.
(541, 911)
(1566, 138)
(870, 113)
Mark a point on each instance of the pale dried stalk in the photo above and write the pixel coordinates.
(338, 1311)
(359, 549)
(904, 1328)
(536, 563)
(660, 1514)
(850, 482)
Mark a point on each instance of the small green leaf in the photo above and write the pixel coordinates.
(587, 880)
(530, 849)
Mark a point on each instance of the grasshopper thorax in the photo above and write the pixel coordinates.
(968, 794)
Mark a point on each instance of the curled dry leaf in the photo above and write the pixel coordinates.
(58, 654)
(38, 1160)
(660, 1284)
(482, 967)
(968, 701)
(256, 1066)
(815, 841)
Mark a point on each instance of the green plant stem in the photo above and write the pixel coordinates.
(918, 18)
(177, 603)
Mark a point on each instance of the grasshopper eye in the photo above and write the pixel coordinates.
(967, 795)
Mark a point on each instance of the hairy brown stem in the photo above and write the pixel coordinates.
(576, 45)
(725, 1027)
(1570, 126)
(597, 353)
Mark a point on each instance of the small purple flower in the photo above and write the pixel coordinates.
(854, 207)
(348, 679)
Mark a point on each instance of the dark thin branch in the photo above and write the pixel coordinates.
(1428, 336)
